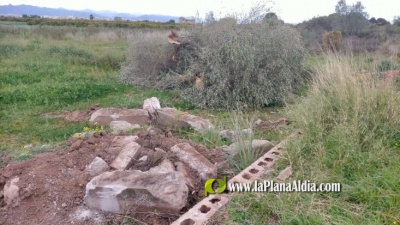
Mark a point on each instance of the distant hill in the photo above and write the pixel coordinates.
(19, 10)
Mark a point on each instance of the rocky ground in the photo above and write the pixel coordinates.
(52, 185)
(126, 174)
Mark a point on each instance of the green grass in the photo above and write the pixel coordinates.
(60, 69)
(351, 136)
(350, 124)
(41, 74)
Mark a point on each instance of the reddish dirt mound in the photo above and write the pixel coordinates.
(52, 185)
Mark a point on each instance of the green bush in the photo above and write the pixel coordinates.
(246, 65)
(222, 64)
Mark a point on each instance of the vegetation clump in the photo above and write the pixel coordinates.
(332, 40)
(230, 63)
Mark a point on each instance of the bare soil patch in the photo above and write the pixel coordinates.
(52, 185)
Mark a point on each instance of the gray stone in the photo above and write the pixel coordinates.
(228, 134)
(285, 174)
(231, 135)
(119, 142)
(11, 190)
(195, 160)
(105, 116)
(262, 144)
(255, 144)
(121, 191)
(180, 167)
(151, 105)
(117, 126)
(129, 153)
(172, 117)
(96, 167)
(165, 166)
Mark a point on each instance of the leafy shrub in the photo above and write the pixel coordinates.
(222, 64)
(332, 40)
(252, 64)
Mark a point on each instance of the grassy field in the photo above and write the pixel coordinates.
(352, 137)
(50, 70)
(351, 126)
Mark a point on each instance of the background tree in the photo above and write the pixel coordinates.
(210, 17)
(343, 8)
(382, 22)
(272, 18)
(351, 19)
(396, 20)
(91, 17)
(359, 8)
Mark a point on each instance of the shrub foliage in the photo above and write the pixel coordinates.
(222, 64)
(332, 40)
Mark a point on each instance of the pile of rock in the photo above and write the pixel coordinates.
(119, 186)
(163, 187)
(127, 119)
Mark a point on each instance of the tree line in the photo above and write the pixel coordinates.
(37, 20)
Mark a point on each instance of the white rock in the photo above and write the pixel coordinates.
(151, 105)
(143, 158)
(96, 167)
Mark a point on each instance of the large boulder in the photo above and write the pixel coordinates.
(105, 116)
(121, 191)
(174, 118)
(195, 160)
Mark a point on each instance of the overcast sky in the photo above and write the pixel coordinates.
(291, 11)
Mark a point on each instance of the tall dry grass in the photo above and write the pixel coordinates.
(351, 130)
